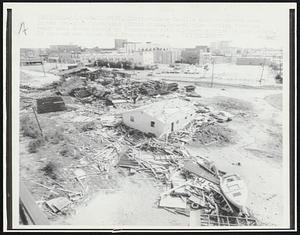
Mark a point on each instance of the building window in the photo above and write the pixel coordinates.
(131, 118)
(177, 121)
(152, 124)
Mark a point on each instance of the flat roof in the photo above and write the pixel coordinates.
(165, 109)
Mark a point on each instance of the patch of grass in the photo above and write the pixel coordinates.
(65, 151)
(88, 126)
(29, 127)
(54, 136)
(232, 104)
(68, 150)
(35, 144)
(51, 170)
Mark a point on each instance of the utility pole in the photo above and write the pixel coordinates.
(37, 120)
(262, 72)
(212, 73)
(43, 68)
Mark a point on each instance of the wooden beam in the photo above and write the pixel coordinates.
(32, 210)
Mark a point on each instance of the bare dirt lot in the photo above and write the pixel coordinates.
(258, 146)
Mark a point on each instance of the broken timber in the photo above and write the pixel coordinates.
(220, 220)
(200, 172)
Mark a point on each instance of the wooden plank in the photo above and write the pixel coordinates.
(31, 208)
(194, 218)
(197, 170)
(173, 202)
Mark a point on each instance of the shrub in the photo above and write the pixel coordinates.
(51, 170)
(88, 126)
(55, 135)
(66, 151)
(29, 127)
(35, 144)
(70, 151)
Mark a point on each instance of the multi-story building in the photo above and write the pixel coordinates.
(192, 55)
(142, 57)
(223, 48)
(169, 56)
(160, 53)
(120, 43)
(205, 58)
(65, 53)
(144, 46)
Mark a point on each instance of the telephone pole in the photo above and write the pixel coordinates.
(43, 68)
(262, 71)
(212, 73)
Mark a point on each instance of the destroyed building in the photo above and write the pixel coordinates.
(161, 117)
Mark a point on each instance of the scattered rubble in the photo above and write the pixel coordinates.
(104, 143)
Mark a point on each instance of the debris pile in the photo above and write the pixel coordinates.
(203, 130)
(211, 133)
(194, 184)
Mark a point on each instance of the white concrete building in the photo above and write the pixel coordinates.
(161, 117)
(142, 57)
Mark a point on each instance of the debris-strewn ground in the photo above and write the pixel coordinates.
(275, 100)
(77, 156)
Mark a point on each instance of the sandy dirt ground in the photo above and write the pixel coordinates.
(257, 148)
(256, 154)
(225, 74)
(133, 203)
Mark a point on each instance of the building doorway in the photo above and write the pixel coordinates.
(172, 126)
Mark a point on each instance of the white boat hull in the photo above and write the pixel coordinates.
(234, 189)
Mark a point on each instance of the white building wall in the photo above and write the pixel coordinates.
(142, 57)
(180, 120)
(148, 57)
(142, 122)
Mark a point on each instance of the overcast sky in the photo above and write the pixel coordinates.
(179, 25)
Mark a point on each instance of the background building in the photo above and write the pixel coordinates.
(192, 55)
(252, 61)
(119, 43)
(65, 53)
(142, 57)
(30, 56)
(169, 56)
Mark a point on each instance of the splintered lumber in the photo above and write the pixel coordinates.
(191, 167)
(57, 204)
(172, 211)
(222, 201)
(172, 189)
(51, 189)
(125, 161)
(221, 220)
